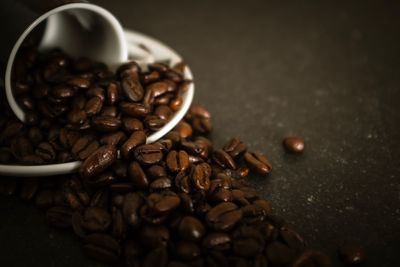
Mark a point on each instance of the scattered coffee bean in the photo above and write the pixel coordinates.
(294, 144)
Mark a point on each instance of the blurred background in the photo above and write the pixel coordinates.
(326, 71)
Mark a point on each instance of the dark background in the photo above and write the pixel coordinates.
(328, 72)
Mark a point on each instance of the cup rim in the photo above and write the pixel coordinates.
(86, 6)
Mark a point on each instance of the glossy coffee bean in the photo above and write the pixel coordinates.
(137, 175)
(235, 147)
(99, 161)
(106, 123)
(351, 253)
(258, 163)
(132, 88)
(136, 139)
(96, 219)
(148, 154)
(294, 144)
(190, 228)
(177, 161)
(224, 216)
(200, 176)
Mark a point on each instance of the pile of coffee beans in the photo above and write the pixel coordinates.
(177, 202)
(73, 107)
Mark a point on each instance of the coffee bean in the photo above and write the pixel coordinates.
(155, 236)
(106, 123)
(258, 163)
(161, 183)
(79, 82)
(128, 69)
(109, 111)
(136, 110)
(137, 175)
(177, 161)
(113, 138)
(148, 154)
(113, 94)
(163, 202)
(224, 216)
(99, 161)
(136, 139)
(163, 112)
(223, 159)
(217, 241)
(186, 250)
(200, 176)
(131, 125)
(102, 247)
(352, 253)
(96, 219)
(156, 171)
(235, 147)
(132, 88)
(279, 254)
(156, 258)
(294, 144)
(191, 229)
(184, 129)
(93, 106)
(62, 91)
(130, 209)
(75, 116)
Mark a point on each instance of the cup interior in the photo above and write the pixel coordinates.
(80, 29)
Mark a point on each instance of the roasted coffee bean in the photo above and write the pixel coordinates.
(201, 125)
(118, 224)
(223, 159)
(106, 123)
(99, 161)
(312, 258)
(279, 254)
(155, 236)
(224, 216)
(75, 116)
(156, 258)
(80, 144)
(102, 247)
(352, 253)
(32, 118)
(163, 112)
(12, 129)
(177, 161)
(113, 138)
(128, 69)
(187, 250)
(112, 93)
(103, 179)
(46, 151)
(161, 184)
(132, 88)
(79, 82)
(96, 219)
(184, 129)
(154, 123)
(137, 175)
(35, 135)
(217, 241)
(190, 228)
(59, 217)
(131, 124)
(200, 176)
(150, 77)
(187, 203)
(100, 199)
(93, 106)
(199, 111)
(148, 154)
(136, 139)
(62, 91)
(235, 147)
(294, 144)
(109, 111)
(163, 202)
(155, 90)
(156, 171)
(182, 181)
(136, 110)
(130, 208)
(258, 163)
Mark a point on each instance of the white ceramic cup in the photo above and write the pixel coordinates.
(80, 29)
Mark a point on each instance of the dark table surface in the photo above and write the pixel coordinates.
(328, 72)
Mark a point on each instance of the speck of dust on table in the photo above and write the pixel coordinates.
(327, 72)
